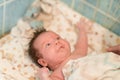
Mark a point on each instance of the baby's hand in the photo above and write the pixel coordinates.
(115, 49)
(43, 73)
(84, 24)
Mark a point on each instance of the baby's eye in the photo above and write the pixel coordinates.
(48, 44)
(58, 38)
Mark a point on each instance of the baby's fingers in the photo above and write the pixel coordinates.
(114, 48)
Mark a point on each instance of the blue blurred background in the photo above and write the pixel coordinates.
(104, 12)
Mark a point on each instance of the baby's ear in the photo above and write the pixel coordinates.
(42, 62)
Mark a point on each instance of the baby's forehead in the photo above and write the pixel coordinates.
(47, 35)
(50, 33)
(44, 37)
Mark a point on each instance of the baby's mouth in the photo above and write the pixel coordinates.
(61, 47)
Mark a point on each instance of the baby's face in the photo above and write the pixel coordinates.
(53, 48)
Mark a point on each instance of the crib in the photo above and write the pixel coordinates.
(54, 15)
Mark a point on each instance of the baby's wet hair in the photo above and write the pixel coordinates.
(34, 55)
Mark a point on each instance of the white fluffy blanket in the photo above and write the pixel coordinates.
(93, 67)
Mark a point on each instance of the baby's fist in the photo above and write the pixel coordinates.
(43, 73)
(84, 24)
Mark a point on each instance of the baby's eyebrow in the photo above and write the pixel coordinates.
(58, 36)
(44, 42)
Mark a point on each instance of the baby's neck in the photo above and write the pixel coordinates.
(58, 70)
(60, 65)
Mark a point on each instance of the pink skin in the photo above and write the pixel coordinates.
(56, 51)
(53, 48)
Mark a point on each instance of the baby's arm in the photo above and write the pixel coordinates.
(82, 43)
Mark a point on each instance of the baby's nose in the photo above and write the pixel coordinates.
(57, 42)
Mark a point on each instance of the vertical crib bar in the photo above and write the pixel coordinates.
(3, 27)
(72, 4)
(118, 18)
(116, 9)
(3, 24)
(81, 6)
(107, 12)
(95, 10)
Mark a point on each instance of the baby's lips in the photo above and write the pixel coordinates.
(61, 46)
